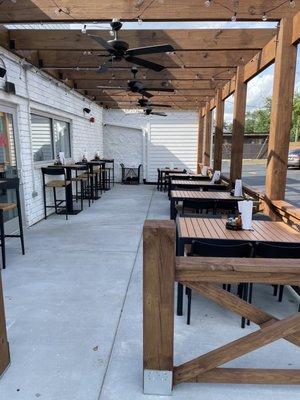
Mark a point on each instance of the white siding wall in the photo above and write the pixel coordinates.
(166, 140)
(39, 93)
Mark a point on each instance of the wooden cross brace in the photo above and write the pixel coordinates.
(205, 368)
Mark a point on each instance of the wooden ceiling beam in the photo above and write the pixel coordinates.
(129, 10)
(197, 39)
(178, 74)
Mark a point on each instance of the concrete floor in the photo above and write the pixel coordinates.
(74, 311)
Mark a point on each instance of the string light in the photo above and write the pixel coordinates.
(292, 3)
(139, 20)
(207, 3)
(233, 18)
(83, 30)
(264, 17)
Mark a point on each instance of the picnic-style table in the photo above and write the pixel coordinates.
(191, 177)
(213, 230)
(180, 195)
(196, 184)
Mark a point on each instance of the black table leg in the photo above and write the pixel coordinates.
(180, 252)
(172, 209)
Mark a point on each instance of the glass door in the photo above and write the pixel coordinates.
(8, 162)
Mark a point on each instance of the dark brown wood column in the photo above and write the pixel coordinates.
(281, 114)
(238, 127)
(207, 136)
(200, 141)
(219, 132)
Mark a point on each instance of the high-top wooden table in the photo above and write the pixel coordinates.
(4, 347)
(213, 230)
(195, 184)
(180, 195)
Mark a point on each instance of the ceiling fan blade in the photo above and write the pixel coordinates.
(145, 63)
(102, 43)
(159, 114)
(159, 89)
(160, 105)
(161, 48)
(146, 94)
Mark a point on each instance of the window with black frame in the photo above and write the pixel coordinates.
(49, 137)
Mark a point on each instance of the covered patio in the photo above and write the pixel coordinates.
(112, 122)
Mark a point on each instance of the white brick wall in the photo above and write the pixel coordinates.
(42, 94)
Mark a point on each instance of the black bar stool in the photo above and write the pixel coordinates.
(14, 184)
(55, 184)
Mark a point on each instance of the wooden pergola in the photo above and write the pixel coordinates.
(207, 66)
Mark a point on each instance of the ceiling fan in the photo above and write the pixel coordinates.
(149, 111)
(136, 86)
(146, 103)
(119, 50)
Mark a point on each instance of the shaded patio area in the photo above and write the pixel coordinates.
(74, 311)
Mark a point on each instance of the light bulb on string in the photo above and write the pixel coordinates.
(264, 17)
(140, 21)
(292, 3)
(83, 30)
(207, 3)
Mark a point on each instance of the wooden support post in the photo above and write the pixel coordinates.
(207, 136)
(4, 348)
(200, 141)
(238, 127)
(158, 304)
(219, 132)
(281, 114)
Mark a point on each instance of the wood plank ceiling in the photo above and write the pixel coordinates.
(203, 60)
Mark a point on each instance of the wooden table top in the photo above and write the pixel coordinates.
(211, 228)
(170, 171)
(195, 183)
(190, 194)
(184, 175)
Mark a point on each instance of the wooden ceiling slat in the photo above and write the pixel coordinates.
(196, 39)
(175, 10)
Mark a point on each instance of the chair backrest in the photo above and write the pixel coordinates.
(10, 183)
(53, 171)
(236, 249)
(266, 250)
(197, 205)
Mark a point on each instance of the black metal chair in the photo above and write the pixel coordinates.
(197, 207)
(82, 179)
(55, 184)
(229, 249)
(227, 208)
(267, 250)
(11, 184)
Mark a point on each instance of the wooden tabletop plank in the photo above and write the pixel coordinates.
(263, 231)
(184, 194)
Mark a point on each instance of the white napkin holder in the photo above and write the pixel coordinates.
(204, 170)
(216, 177)
(61, 156)
(246, 210)
(238, 188)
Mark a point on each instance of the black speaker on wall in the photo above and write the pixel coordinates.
(9, 87)
(2, 72)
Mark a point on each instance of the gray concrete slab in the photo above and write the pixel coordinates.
(74, 311)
